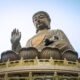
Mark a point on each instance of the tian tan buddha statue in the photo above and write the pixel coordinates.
(45, 38)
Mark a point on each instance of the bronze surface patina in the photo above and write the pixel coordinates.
(48, 55)
(45, 37)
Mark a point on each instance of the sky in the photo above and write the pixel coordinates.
(64, 14)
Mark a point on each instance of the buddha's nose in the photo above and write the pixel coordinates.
(38, 20)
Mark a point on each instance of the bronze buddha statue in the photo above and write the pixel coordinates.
(44, 36)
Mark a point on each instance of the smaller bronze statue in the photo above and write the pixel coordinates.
(44, 36)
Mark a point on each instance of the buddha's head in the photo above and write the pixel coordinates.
(41, 20)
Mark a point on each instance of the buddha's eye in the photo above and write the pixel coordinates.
(35, 19)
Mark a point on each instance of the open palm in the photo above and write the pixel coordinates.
(15, 36)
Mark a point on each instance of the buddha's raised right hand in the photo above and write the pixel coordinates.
(15, 36)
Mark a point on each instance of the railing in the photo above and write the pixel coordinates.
(42, 78)
(36, 61)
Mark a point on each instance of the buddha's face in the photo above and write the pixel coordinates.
(41, 21)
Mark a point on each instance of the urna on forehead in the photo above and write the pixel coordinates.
(42, 12)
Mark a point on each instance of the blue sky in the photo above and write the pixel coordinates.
(65, 15)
